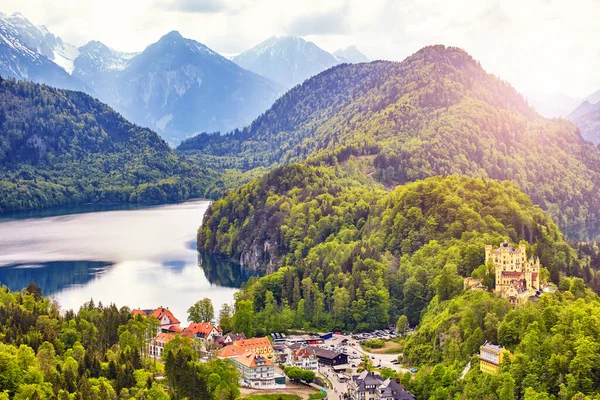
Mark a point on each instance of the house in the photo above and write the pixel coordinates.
(256, 371)
(329, 357)
(370, 386)
(517, 278)
(203, 331)
(157, 345)
(303, 358)
(167, 320)
(490, 358)
(230, 338)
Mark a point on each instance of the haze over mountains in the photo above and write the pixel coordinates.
(176, 86)
(290, 60)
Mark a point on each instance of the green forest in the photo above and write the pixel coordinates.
(341, 253)
(59, 147)
(98, 353)
(435, 113)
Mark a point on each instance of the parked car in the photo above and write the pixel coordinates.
(413, 370)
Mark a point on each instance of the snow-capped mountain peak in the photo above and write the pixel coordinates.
(39, 40)
(351, 54)
(288, 60)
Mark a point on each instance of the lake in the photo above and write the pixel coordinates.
(136, 256)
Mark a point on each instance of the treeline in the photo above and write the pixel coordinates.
(59, 147)
(345, 255)
(98, 353)
(436, 113)
(554, 345)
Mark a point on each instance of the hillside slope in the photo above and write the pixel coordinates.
(587, 119)
(436, 113)
(62, 147)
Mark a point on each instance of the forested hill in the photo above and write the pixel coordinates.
(62, 147)
(346, 255)
(436, 113)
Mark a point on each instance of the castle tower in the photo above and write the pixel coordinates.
(488, 252)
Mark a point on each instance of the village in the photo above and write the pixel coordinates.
(335, 363)
(332, 360)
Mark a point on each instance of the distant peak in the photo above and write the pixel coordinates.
(94, 45)
(173, 35)
(18, 15)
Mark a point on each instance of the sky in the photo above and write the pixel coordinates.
(544, 46)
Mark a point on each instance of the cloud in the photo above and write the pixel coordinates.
(330, 22)
(203, 6)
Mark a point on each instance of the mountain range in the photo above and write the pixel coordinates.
(61, 147)
(290, 60)
(32, 53)
(436, 113)
(176, 86)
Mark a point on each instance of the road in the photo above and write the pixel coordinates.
(339, 388)
(384, 359)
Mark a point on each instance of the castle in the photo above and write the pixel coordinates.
(517, 278)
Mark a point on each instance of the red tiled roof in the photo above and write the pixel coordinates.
(174, 328)
(137, 312)
(512, 274)
(230, 351)
(203, 328)
(303, 353)
(164, 337)
(161, 311)
(253, 343)
(253, 360)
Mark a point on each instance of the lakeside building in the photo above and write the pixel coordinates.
(490, 358)
(517, 278)
(167, 320)
(204, 331)
(370, 386)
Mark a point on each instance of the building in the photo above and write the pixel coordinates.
(490, 358)
(370, 386)
(517, 278)
(157, 345)
(329, 357)
(303, 358)
(257, 372)
(258, 346)
(203, 331)
(473, 284)
(230, 338)
(167, 320)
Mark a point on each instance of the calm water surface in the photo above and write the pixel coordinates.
(136, 256)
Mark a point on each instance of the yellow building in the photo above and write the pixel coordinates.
(517, 278)
(258, 346)
(490, 358)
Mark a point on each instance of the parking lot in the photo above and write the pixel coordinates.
(351, 347)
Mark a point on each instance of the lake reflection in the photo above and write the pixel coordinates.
(140, 257)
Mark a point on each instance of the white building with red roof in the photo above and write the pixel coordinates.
(203, 331)
(304, 358)
(167, 320)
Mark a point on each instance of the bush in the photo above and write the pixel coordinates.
(374, 343)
